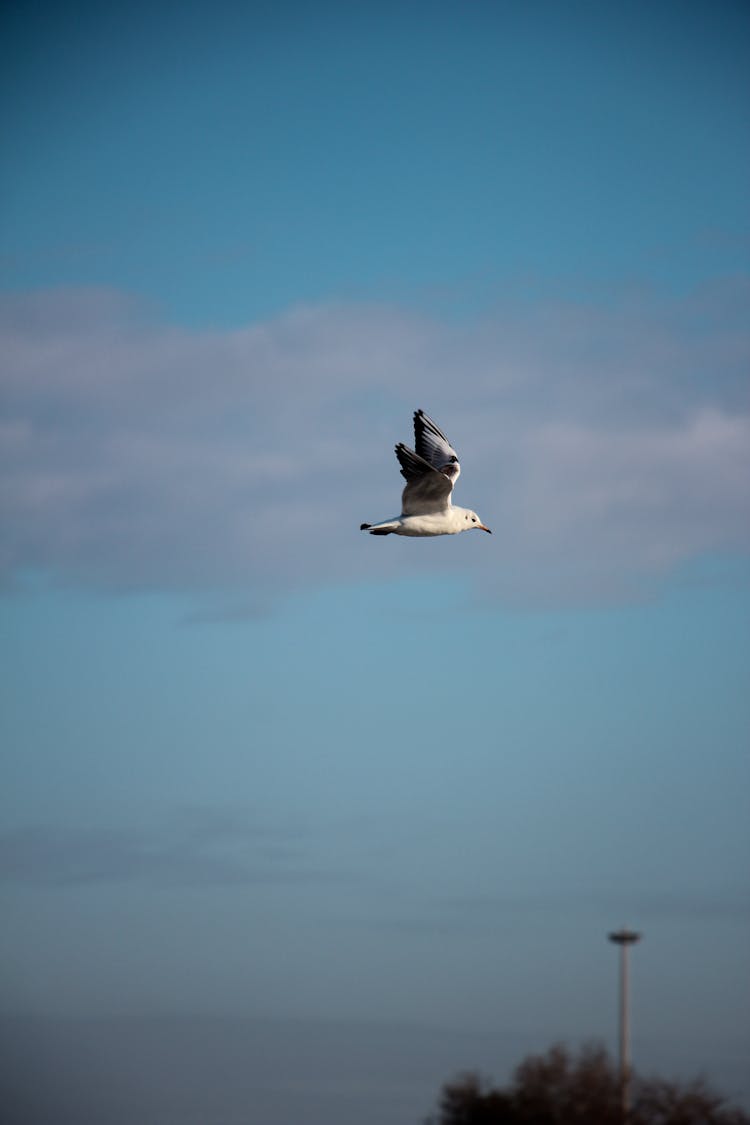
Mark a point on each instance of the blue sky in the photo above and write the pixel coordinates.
(369, 808)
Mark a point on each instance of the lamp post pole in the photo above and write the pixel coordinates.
(624, 938)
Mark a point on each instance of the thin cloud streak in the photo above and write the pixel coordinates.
(606, 445)
(200, 847)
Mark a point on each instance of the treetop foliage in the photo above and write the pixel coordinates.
(559, 1088)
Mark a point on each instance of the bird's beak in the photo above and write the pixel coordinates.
(481, 527)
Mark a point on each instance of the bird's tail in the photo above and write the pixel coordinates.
(378, 528)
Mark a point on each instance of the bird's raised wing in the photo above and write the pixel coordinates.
(427, 490)
(433, 446)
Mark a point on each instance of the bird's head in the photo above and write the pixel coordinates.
(473, 521)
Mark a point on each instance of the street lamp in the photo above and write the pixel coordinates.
(624, 938)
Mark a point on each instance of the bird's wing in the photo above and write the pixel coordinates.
(433, 446)
(427, 490)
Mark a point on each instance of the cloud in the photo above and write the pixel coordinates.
(474, 916)
(644, 902)
(605, 443)
(196, 847)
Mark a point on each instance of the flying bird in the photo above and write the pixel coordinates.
(430, 474)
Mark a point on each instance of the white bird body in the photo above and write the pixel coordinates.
(430, 474)
(449, 522)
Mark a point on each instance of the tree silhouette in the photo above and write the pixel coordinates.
(558, 1088)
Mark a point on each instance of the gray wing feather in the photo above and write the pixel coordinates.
(427, 489)
(433, 446)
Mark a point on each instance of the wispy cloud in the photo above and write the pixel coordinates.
(458, 917)
(644, 902)
(604, 443)
(196, 847)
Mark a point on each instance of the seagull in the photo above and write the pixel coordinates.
(430, 474)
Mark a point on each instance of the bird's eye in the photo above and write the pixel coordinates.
(473, 519)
